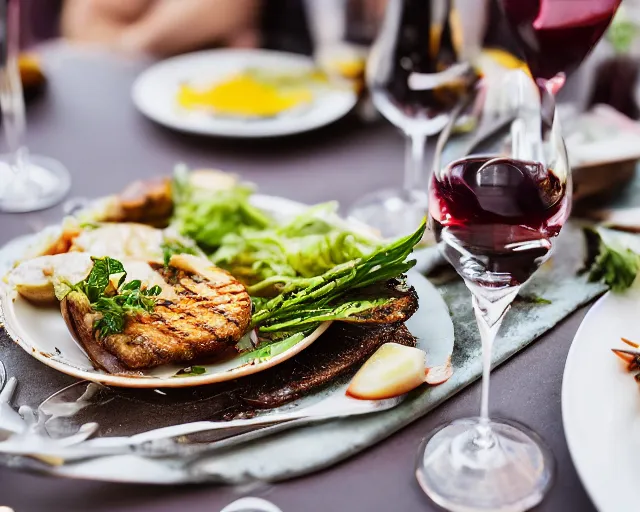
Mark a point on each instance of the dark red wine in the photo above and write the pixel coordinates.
(557, 35)
(417, 37)
(497, 220)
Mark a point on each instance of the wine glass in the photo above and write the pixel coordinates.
(415, 81)
(498, 199)
(557, 35)
(27, 182)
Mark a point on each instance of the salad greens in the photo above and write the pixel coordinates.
(300, 272)
(272, 348)
(323, 293)
(284, 255)
(206, 216)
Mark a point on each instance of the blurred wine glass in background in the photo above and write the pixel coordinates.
(415, 77)
(27, 182)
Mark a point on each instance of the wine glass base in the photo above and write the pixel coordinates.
(510, 471)
(43, 184)
(393, 213)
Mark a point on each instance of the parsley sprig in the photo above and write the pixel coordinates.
(616, 266)
(114, 303)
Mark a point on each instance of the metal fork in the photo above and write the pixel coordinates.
(165, 441)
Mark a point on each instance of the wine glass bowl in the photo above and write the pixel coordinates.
(415, 80)
(497, 202)
(557, 35)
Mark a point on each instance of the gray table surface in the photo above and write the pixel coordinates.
(87, 120)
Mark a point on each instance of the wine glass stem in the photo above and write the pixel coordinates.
(414, 179)
(11, 95)
(489, 315)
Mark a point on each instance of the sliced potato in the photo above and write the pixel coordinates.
(121, 241)
(34, 278)
(391, 371)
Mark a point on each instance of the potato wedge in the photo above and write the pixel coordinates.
(33, 279)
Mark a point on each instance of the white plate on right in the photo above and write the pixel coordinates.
(601, 404)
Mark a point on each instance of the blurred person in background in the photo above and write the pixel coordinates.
(167, 27)
(161, 27)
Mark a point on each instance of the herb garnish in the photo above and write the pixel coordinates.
(190, 371)
(114, 302)
(616, 266)
(131, 298)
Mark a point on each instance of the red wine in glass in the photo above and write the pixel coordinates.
(420, 41)
(497, 217)
(557, 35)
(416, 80)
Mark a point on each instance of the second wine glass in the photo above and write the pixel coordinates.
(415, 80)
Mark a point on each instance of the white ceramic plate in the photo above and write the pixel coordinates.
(601, 404)
(154, 94)
(43, 333)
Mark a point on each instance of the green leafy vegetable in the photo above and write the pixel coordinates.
(207, 216)
(130, 299)
(305, 316)
(272, 349)
(307, 246)
(617, 267)
(96, 283)
(171, 247)
(114, 303)
(190, 371)
(324, 292)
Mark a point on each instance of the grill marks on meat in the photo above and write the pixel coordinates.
(209, 311)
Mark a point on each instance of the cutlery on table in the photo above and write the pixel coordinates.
(165, 441)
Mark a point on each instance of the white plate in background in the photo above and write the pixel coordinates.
(155, 91)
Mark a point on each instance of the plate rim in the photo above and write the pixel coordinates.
(564, 397)
(138, 86)
(569, 421)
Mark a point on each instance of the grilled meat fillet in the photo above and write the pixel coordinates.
(402, 305)
(202, 312)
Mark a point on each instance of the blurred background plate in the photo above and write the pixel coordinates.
(155, 94)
